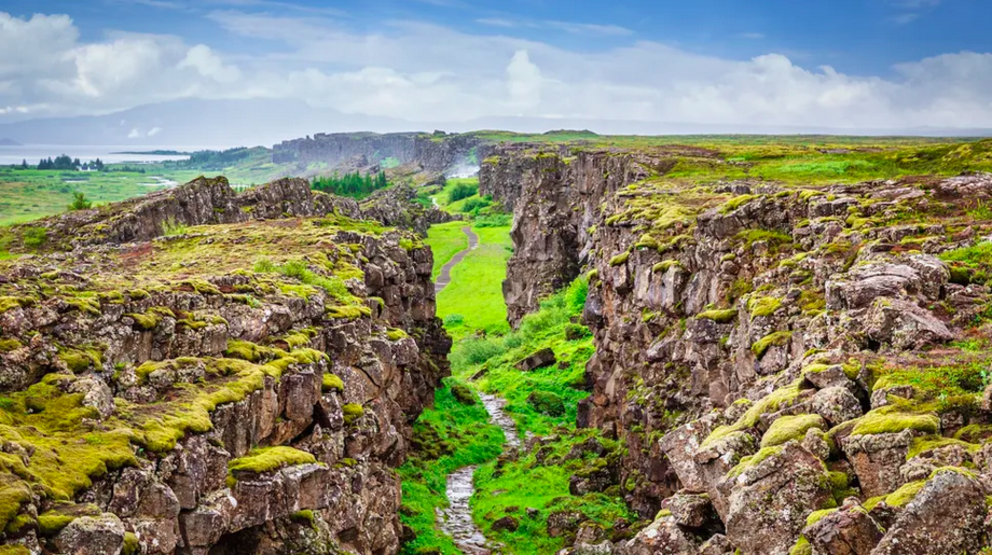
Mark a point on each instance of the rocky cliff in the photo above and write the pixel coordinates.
(433, 153)
(792, 370)
(203, 372)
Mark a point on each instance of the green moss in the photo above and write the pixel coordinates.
(817, 516)
(717, 315)
(348, 312)
(763, 306)
(246, 350)
(14, 550)
(332, 383)
(665, 265)
(305, 517)
(81, 360)
(7, 345)
(802, 547)
(201, 286)
(131, 544)
(899, 498)
(789, 428)
(146, 322)
(881, 421)
(770, 403)
(778, 339)
(754, 460)
(51, 522)
(352, 412)
(929, 443)
(395, 334)
(620, 258)
(86, 305)
(736, 202)
(269, 459)
(10, 303)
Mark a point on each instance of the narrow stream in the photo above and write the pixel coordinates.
(456, 520)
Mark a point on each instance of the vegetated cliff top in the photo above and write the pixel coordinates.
(122, 343)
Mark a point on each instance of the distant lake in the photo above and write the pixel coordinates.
(33, 153)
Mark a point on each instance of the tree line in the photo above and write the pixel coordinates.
(64, 162)
(354, 185)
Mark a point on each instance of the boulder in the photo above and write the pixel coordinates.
(92, 535)
(876, 459)
(904, 325)
(507, 523)
(848, 531)
(947, 517)
(836, 405)
(540, 359)
(769, 499)
(691, 510)
(663, 536)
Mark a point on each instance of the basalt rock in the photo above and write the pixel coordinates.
(238, 388)
(775, 348)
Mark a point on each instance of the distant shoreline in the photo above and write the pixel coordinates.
(155, 153)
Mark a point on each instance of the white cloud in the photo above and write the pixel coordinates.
(430, 73)
(208, 64)
(154, 131)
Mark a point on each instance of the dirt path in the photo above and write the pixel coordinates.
(456, 520)
(444, 278)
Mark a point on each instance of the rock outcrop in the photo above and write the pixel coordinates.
(244, 386)
(782, 351)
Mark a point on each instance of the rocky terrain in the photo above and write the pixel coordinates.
(198, 371)
(791, 369)
(431, 153)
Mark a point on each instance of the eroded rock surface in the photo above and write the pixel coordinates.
(244, 385)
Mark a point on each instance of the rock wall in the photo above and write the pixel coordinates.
(434, 153)
(766, 352)
(236, 388)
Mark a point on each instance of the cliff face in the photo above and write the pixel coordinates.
(767, 352)
(434, 153)
(226, 388)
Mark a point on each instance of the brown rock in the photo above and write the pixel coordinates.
(540, 359)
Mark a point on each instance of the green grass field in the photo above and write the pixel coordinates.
(474, 298)
(446, 240)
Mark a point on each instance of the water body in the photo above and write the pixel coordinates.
(32, 153)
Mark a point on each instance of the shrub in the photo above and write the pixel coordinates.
(462, 191)
(463, 394)
(494, 220)
(475, 204)
(546, 402)
(80, 202)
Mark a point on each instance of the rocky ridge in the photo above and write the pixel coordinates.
(432, 153)
(204, 372)
(792, 370)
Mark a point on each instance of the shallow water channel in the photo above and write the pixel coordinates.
(456, 520)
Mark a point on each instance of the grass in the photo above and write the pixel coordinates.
(446, 240)
(476, 289)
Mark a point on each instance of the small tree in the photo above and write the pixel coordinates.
(80, 202)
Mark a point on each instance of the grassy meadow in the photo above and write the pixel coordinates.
(473, 301)
(446, 240)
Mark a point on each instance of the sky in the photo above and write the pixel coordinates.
(846, 64)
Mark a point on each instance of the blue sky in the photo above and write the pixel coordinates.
(892, 61)
(856, 36)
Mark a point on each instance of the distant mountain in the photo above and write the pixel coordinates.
(194, 122)
(9, 142)
(228, 123)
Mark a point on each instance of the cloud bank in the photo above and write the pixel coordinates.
(430, 73)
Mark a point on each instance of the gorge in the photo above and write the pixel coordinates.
(696, 347)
